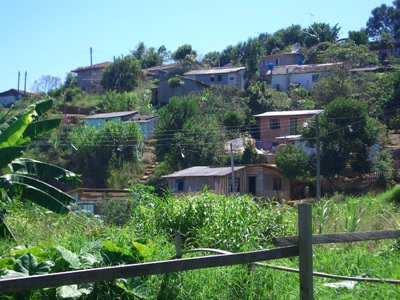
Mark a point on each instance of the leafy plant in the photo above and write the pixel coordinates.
(20, 177)
(27, 265)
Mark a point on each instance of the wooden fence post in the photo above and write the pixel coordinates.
(305, 252)
(178, 244)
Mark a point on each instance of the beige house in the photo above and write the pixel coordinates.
(263, 181)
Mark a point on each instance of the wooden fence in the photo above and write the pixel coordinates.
(294, 246)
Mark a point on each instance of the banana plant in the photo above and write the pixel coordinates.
(23, 178)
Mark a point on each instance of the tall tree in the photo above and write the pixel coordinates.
(321, 32)
(347, 135)
(46, 83)
(123, 75)
(384, 19)
(183, 52)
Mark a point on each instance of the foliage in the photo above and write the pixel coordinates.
(116, 211)
(123, 75)
(183, 52)
(293, 162)
(321, 32)
(262, 99)
(175, 82)
(138, 100)
(347, 135)
(21, 178)
(150, 57)
(384, 19)
(95, 147)
(46, 83)
(250, 155)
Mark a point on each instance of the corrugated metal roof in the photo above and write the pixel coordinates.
(213, 71)
(204, 171)
(290, 113)
(112, 115)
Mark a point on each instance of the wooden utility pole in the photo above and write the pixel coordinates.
(318, 160)
(91, 55)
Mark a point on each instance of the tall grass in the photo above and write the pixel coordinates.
(231, 223)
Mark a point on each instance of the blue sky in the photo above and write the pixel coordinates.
(52, 37)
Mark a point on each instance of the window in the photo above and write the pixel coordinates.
(219, 78)
(180, 185)
(212, 78)
(276, 184)
(274, 124)
(315, 77)
(293, 126)
(277, 62)
(231, 78)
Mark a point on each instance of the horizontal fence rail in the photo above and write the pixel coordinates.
(339, 237)
(144, 269)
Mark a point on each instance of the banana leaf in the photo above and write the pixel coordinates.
(31, 167)
(43, 106)
(8, 154)
(38, 192)
(12, 130)
(37, 129)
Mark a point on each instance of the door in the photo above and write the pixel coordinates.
(252, 185)
(293, 126)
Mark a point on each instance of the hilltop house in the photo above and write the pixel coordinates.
(177, 86)
(269, 62)
(89, 77)
(7, 98)
(146, 123)
(264, 181)
(219, 76)
(283, 126)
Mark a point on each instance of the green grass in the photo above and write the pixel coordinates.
(235, 224)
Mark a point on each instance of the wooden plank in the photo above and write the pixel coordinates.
(305, 252)
(340, 237)
(152, 268)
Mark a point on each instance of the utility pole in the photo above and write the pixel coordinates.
(18, 80)
(318, 160)
(25, 84)
(233, 172)
(91, 52)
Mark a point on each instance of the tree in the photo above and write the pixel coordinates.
(359, 37)
(46, 83)
(182, 52)
(123, 75)
(384, 19)
(21, 177)
(321, 32)
(250, 155)
(347, 135)
(293, 162)
(149, 57)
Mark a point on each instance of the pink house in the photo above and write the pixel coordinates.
(283, 125)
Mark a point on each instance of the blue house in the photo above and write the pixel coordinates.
(145, 123)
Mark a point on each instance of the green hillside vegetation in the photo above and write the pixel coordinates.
(206, 220)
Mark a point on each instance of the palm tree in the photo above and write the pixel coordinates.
(22, 178)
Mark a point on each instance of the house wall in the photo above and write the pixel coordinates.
(147, 127)
(231, 79)
(282, 82)
(89, 80)
(268, 134)
(100, 122)
(164, 92)
(219, 185)
(276, 60)
(265, 177)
